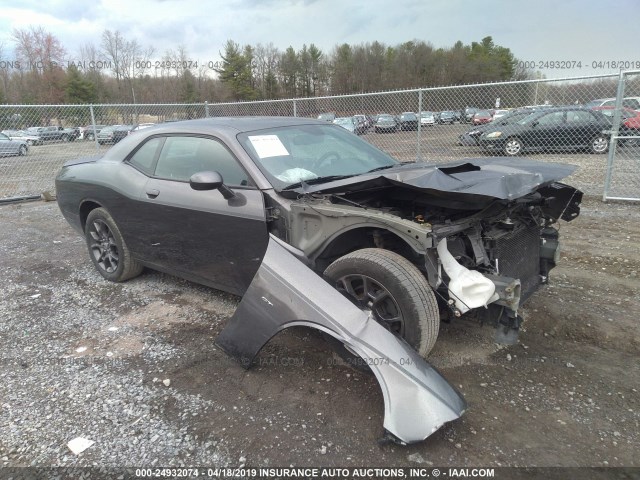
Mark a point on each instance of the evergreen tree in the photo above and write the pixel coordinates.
(235, 71)
(77, 89)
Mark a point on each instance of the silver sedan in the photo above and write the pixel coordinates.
(12, 147)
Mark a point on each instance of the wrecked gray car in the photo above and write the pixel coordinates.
(313, 226)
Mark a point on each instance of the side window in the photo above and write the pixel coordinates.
(144, 157)
(181, 157)
(631, 103)
(554, 118)
(579, 116)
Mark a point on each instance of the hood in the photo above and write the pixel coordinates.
(482, 178)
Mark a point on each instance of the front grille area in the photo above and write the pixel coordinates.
(518, 256)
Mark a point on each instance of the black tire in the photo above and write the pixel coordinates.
(65, 138)
(22, 151)
(402, 299)
(90, 137)
(513, 146)
(107, 248)
(599, 144)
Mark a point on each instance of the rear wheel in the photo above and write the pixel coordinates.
(393, 291)
(599, 144)
(513, 146)
(65, 138)
(22, 151)
(90, 137)
(107, 248)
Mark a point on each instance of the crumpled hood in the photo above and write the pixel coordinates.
(501, 178)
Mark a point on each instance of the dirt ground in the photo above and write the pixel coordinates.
(565, 395)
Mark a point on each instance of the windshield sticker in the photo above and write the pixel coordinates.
(268, 146)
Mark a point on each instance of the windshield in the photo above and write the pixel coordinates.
(513, 117)
(288, 155)
(595, 103)
(530, 118)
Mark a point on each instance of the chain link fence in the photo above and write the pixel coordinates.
(569, 120)
(622, 181)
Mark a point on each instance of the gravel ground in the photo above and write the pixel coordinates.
(133, 367)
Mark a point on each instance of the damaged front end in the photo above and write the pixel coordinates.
(491, 264)
(285, 293)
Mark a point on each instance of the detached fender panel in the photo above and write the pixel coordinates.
(285, 292)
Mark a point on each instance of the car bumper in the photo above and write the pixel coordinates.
(492, 144)
(468, 140)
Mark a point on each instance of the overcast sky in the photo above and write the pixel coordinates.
(540, 30)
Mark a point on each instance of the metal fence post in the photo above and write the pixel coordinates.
(93, 125)
(295, 108)
(615, 129)
(418, 138)
(206, 108)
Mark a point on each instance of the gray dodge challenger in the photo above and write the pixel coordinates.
(313, 226)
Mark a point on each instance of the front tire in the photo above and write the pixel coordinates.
(22, 151)
(513, 146)
(393, 290)
(107, 249)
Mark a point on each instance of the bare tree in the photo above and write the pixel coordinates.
(40, 49)
(129, 59)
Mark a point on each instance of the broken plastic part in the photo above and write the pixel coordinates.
(285, 293)
(468, 288)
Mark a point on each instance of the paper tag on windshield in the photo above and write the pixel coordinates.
(268, 146)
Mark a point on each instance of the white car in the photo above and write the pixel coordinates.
(427, 118)
(627, 102)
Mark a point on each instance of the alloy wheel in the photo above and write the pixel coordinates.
(103, 247)
(371, 296)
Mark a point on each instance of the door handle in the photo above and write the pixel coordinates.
(153, 193)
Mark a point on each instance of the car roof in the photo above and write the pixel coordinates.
(240, 124)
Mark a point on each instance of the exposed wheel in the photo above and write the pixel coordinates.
(393, 290)
(22, 151)
(65, 138)
(513, 146)
(107, 248)
(599, 144)
(90, 137)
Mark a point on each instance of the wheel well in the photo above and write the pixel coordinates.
(366, 237)
(85, 209)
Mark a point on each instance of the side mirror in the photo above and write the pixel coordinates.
(210, 181)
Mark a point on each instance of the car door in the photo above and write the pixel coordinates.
(200, 235)
(582, 126)
(547, 132)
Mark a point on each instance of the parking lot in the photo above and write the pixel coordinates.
(133, 366)
(35, 173)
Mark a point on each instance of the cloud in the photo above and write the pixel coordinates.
(542, 30)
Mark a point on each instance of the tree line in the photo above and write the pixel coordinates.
(121, 70)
